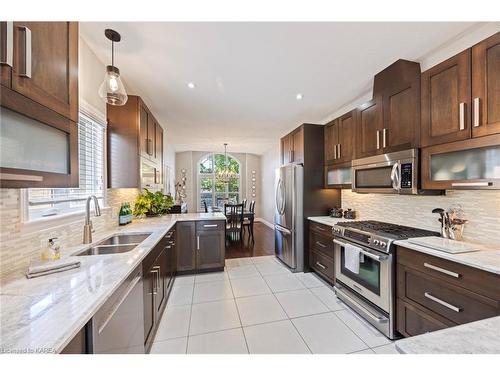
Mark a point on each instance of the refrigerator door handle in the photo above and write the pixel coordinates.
(282, 230)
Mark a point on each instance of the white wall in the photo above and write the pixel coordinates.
(269, 162)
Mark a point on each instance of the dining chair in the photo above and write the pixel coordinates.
(234, 222)
(205, 205)
(244, 202)
(249, 219)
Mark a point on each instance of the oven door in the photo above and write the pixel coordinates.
(374, 279)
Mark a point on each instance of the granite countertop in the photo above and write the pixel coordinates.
(487, 259)
(43, 314)
(479, 337)
(327, 220)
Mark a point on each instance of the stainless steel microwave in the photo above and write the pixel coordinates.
(394, 173)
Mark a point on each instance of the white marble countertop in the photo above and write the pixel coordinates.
(327, 220)
(487, 259)
(479, 337)
(43, 314)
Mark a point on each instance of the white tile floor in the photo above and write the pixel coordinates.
(258, 306)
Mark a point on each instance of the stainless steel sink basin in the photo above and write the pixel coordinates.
(120, 239)
(102, 250)
(116, 244)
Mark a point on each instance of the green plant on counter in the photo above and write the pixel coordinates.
(153, 204)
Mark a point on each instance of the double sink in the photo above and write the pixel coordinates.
(116, 244)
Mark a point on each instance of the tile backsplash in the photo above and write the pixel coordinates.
(482, 209)
(18, 245)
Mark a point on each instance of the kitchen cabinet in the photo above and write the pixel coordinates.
(331, 141)
(135, 146)
(445, 101)
(78, 344)
(200, 246)
(39, 100)
(292, 147)
(486, 87)
(321, 250)
(435, 293)
(158, 273)
(369, 124)
(340, 135)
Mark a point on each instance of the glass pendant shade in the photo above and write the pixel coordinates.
(112, 90)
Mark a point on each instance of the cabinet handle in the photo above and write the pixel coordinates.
(197, 242)
(291, 155)
(378, 139)
(441, 302)
(384, 136)
(462, 115)
(320, 244)
(471, 184)
(334, 152)
(25, 69)
(320, 229)
(477, 110)
(442, 270)
(209, 225)
(155, 285)
(6, 53)
(20, 177)
(321, 265)
(340, 153)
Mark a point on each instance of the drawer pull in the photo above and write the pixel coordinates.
(441, 302)
(320, 244)
(442, 270)
(321, 265)
(320, 229)
(209, 225)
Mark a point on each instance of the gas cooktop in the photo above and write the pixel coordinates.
(388, 230)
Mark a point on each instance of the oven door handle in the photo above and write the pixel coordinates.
(364, 252)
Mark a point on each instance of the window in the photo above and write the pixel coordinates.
(51, 202)
(213, 191)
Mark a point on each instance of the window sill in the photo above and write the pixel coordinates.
(52, 222)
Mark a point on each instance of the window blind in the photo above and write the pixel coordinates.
(49, 202)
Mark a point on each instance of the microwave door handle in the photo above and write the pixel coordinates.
(396, 181)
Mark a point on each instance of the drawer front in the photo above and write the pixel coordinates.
(412, 321)
(453, 303)
(322, 229)
(210, 225)
(322, 244)
(322, 264)
(481, 282)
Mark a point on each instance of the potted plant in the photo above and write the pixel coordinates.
(153, 204)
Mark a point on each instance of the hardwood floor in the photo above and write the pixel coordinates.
(263, 245)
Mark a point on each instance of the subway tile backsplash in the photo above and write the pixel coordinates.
(18, 246)
(482, 209)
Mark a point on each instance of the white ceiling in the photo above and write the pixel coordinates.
(248, 74)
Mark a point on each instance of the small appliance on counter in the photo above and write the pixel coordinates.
(349, 214)
(336, 212)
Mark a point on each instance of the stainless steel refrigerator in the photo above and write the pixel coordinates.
(289, 216)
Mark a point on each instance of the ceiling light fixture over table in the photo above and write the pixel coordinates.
(112, 90)
(226, 173)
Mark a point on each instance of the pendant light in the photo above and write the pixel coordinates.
(225, 174)
(112, 90)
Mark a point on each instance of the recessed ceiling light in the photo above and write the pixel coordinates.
(191, 85)
(299, 96)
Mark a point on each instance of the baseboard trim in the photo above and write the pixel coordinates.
(265, 222)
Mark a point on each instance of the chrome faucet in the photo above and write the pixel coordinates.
(87, 228)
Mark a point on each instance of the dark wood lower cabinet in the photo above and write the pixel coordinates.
(434, 293)
(200, 246)
(321, 251)
(78, 344)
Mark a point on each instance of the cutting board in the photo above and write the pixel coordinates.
(445, 244)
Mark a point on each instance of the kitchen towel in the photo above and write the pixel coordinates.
(46, 268)
(351, 258)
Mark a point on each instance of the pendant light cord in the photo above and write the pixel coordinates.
(112, 53)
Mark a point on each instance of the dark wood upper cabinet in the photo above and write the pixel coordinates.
(446, 101)
(298, 146)
(399, 87)
(346, 137)
(40, 92)
(133, 135)
(47, 72)
(369, 128)
(486, 87)
(331, 140)
(287, 149)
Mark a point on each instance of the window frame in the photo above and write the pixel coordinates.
(212, 175)
(28, 223)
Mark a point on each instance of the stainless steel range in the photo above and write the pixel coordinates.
(364, 268)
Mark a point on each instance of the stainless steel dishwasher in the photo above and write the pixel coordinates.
(118, 326)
